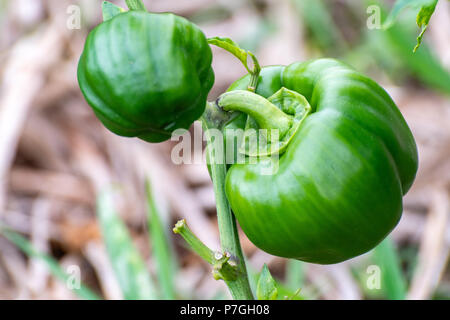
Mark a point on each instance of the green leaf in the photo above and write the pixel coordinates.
(129, 268)
(423, 18)
(23, 244)
(110, 10)
(266, 288)
(233, 48)
(426, 9)
(401, 5)
(283, 291)
(136, 5)
(392, 280)
(391, 50)
(162, 250)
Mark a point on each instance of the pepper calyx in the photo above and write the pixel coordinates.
(271, 122)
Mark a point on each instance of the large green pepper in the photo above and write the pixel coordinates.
(146, 74)
(341, 178)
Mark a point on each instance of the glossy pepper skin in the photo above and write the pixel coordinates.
(338, 191)
(146, 74)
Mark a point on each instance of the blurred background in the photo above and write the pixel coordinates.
(56, 158)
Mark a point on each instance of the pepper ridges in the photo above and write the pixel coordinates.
(145, 74)
(338, 191)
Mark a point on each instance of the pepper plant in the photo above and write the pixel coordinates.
(327, 155)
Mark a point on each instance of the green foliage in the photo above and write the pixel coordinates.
(295, 273)
(242, 54)
(131, 271)
(266, 288)
(393, 283)
(23, 244)
(256, 36)
(319, 22)
(426, 9)
(391, 51)
(162, 251)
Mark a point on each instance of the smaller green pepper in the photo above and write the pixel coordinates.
(145, 74)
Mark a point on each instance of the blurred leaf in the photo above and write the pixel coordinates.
(210, 14)
(110, 10)
(399, 6)
(392, 47)
(295, 274)
(319, 22)
(409, 257)
(361, 276)
(130, 269)
(253, 276)
(136, 5)
(288, 294)
(162, 250)
(426, 7)
(54, 267)
(392, 280)
(423, 64)
(256, 34)
(266, 288)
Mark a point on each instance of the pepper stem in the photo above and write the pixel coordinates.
(266, 114)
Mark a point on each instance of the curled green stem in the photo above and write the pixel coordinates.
(265, 113)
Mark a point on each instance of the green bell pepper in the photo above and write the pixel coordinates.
(342, 172)
(145, 74)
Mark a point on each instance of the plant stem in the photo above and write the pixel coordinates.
(229, 237)
(255, 74)
(194, 243)
(223, 268)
